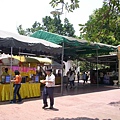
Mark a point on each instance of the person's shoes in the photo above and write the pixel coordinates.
(45, 106)
(11, 102)
(19, 101)
(51, 107)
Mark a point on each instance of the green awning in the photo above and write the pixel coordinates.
(74, 46)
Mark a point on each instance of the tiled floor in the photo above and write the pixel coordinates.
(84, 102)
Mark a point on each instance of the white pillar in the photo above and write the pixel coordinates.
(68, 65)
(118, 54)
(119, 74)
(11, 87)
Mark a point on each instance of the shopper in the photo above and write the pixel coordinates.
(48, 89)
(72, 79)
(78, 76)
(84, 77)
(17, 85)
(5, 72)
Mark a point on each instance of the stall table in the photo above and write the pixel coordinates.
(27, 90)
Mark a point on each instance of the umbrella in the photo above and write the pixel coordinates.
(56, 65)
(24, 59)
(33, 59)
(42, 60)
(6, 60)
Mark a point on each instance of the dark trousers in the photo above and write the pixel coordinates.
(16, 92)
(78, 78)
(85, 80)
(101, 80)
(48, 91)
(72, 83)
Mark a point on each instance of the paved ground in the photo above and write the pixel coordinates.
(81, 103)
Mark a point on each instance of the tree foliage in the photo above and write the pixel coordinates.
(50, 24)
(53, 25)
(103, 25)
(35, 27)
(20, 30)
(69, 5)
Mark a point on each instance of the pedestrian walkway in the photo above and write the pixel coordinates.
(81, 103)
(83, 88)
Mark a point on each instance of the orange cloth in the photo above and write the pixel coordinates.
(18, 79)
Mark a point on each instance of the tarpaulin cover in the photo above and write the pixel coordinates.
(73, 46)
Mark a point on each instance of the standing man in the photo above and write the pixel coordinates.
(48, 88)
(84, 77)
(72, 79)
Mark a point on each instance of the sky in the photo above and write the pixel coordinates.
(25, 12)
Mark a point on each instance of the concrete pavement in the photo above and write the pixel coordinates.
(80, 103)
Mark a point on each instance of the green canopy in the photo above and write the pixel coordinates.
(74, 46)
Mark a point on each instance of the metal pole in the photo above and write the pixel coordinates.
(116, 66)
(97, 67)
(90, 72)
(11, 74)
(62, 69)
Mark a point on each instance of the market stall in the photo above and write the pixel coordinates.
(27, 66)
(16, 44)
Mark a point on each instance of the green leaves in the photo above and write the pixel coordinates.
(20, 30)
(50, 24)
(55, 3)
(103, 25)
(70, 5)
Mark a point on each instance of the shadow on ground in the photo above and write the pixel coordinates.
(78, 118)
(115, 104)
(83, 89)
(54, 109)
(78, 89)
(24, 100)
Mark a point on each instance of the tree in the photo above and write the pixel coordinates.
(68, 29)
(69, 6)
(20, 30)
(114, 5)
(110, 11)
(35, 27)
(103, 26)
(53, 25)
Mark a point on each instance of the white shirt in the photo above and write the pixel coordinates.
(101, 74)
(84, 76)
(52, 79)
(72, 77)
